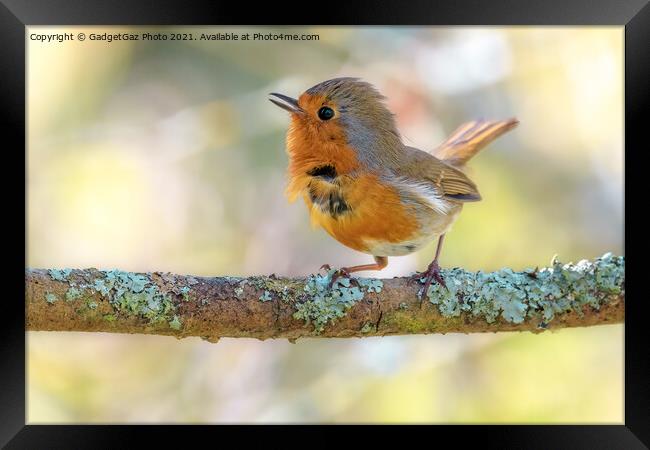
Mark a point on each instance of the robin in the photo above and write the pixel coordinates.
(366, 188)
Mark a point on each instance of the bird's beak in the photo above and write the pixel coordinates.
(288, 103)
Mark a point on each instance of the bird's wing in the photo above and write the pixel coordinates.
(423, 169)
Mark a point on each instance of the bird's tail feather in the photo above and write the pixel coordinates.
(470, 138)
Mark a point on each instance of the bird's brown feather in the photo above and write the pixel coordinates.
(470, 138)
(452, 183)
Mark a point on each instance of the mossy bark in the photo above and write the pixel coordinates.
(271, 307)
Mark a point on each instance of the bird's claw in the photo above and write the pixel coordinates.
(342, 272)
(432, 273)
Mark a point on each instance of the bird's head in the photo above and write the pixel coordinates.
(342, 111)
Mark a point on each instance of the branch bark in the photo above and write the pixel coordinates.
(584, 294)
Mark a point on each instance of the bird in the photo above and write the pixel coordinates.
(364, 186)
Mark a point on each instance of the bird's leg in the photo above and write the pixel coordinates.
(380, 263)
(433, 271)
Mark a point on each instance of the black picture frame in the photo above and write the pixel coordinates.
(15, 15)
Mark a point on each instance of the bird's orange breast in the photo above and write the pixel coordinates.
(373, 212)
(350, 202)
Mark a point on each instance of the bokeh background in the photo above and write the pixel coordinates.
(167, 156)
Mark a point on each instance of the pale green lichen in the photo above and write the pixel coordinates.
(92, 305)
(135, 294)
(323, 304)
(239, 292)
(184, 293)
(266, 296)
(101, 287)
(59, 274)
(175, 323)
(372, 285)
(72, 294)
(516, 296)
(50, 298)
(286, 293)
(282, 288)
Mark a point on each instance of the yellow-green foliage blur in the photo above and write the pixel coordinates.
(167, 156)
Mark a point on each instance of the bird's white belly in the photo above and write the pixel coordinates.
(432, 226)
(384, 248)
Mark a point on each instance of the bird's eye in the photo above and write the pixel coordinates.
(325, 113)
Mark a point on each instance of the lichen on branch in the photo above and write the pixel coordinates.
(562, 295)
(532, 294)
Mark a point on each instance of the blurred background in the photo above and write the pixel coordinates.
(167, 156)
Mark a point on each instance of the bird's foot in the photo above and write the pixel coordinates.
(432, 273)
(342, 272)
(326, 268)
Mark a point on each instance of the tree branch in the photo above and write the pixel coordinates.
(584, 294)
